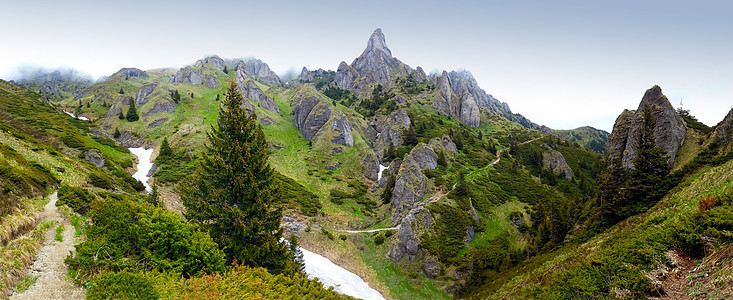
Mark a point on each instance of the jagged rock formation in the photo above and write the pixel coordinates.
(187, 75)
(214, 61)
(160, 106)
(258, 69)
(669, 131)
(371, 167)
(463, 107)
(723, 132)
(410, 182)
(416, 222)
(305, 75)
(128, 73)
(312, 115)
(50, 88)
(157, 123)
(249, 89)
(554, 161)
(390, 130)
(95, 157)
(444, 144)
(142, 94)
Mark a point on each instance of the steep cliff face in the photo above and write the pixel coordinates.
(257, 69)
(315, 117)
(249, 89)
(463, 107)
(723, 132)
(669, 130)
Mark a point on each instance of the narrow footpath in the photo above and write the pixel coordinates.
(49, 266)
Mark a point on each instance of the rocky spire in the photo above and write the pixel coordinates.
(376, 62)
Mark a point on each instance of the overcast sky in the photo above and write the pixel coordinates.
(563, 64)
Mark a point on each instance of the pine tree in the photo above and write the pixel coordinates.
(410, 138)
(132, 115)
(121, 115)
(387, 193)
(232, 194)
(122, 91)
(117, 132)
(226, 71)
(165, 149)
(175, 96)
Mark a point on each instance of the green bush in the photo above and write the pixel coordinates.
(99, 181)
(72, 141)
(77, 198)
(379, 239)
(122, 285)
(136, 235)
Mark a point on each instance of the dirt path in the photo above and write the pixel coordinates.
(49, 263)
(370, 230)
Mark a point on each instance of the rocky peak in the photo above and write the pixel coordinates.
(305, 75)
(669, 130)
(376, 62)
(129, 72)
(259, 69)
(215, 61)
(723, 132)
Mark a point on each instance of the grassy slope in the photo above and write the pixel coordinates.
(639, 237)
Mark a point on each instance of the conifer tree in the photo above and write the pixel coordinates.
(165, 149)
(121, 115)
(122, 91)
(410, 137)
(232, 194)
(132, 115)
(117, 132)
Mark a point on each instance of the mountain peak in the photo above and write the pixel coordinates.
(377, 42)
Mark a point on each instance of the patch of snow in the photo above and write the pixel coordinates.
(143, 165)
(381, 169)
(80, 118)
(340, 279)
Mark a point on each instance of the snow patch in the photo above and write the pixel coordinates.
(143, 165)
(80, 118)
(381, 170)
(340, 279)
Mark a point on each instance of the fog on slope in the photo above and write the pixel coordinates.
(25, 73)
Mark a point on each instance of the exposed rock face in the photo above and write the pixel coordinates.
(346, 77)
(376, 62)
(50, 88)
(259, 69)
(420, 75)
(463, 83)
(249, 89)
(129, 72)
(390, 131)
(463, 107)
(554, 161)
(444, 144)
(410, 182)
(342, 129)
(211, 81)
(142, 94)
(157, 122)
(371, 167)
(431, 266)
(723, 132)
(305, 75)
(161, 106)
(214, 61)
(669, 131)
(95, 157)
(416, 222)
(187, 75)
(311, 114)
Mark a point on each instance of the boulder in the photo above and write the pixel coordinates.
(214, 61)
(142, 94)
(669, 130)
(431, 266)
(555, 162)
(95, 157)
(424, 156)
(249, 89)
(157, 122)
(211, 81)
(444, 144)
(723, 132)
(409, 188)
(312, 115)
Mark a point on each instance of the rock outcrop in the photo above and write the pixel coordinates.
(160, 106)
(407, 245)
(305, 75)
(50, 88)
(141, 97)
(315, 117)
(258, 69)
(444, 144)
(376, 62)
(410, 182)
(371, 167)
(463, 107)
(211, 81)
(723, 132)
(129, 73)
(214, 61)
(669, 129)
(346, 77)
(249, 89)
(555, 162)
(95, 157)
(187, 75)
(390, 130)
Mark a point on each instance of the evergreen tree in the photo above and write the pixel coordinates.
(391, 154)
(175, 96)
(410, 138)
(442, 162)
(117, 133)
(165, 149)
(121, 115)
(226, 71)
(387, 193)
(89, 104)
(132, 115)
(232, 194)
(122, 91)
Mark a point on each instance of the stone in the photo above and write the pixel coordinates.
(187, 75)
(463, 107)
(129, 73)
(249, 89)
(50, 88)
(376, 62)
(152, 170)
(157, 122)
(342, 129)
(470, 233)
(669, 130)
(312, 115)
(162, 105)
(332, 167)
(555, 162)
(142, 94)
(416, 222)
(371, 167)
(305, 75)
(346, 77)
(211, 81)
(431, 266)
(260, 70)
(444, 144)
(95, 157)
(266, 121)
(424, 156)
(723, 131)
(409, 189)
(214, 61)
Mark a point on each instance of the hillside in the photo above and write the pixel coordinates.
(586, 136)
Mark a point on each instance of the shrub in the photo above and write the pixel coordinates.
(137, 235)
(379, 239)
(77, 198)
(99, 181)
(122, 285)
(327, 233)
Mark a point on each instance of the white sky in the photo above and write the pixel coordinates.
(563, 64)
